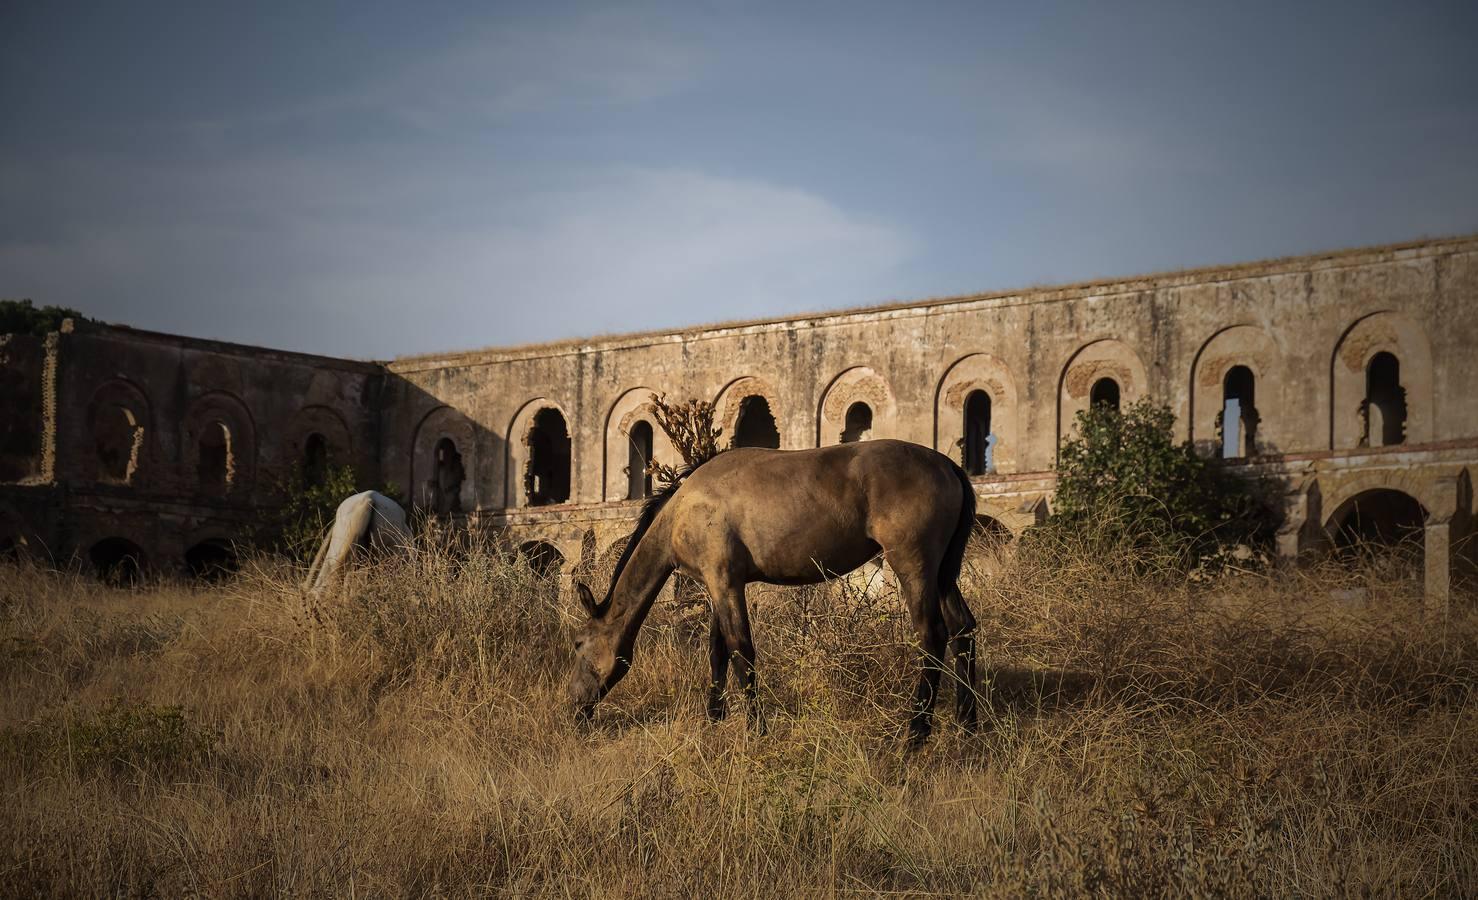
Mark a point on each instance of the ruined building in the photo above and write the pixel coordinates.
(1351, 376)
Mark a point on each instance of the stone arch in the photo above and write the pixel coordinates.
(1104, 358)
(633, 406)
(220, 446)
(1236, 346)
(1380, 332)
(543, 557)
(443, 458)
(212, 559)
(117, 561)
(978, 372)
(1377, 516)
(1336, 492)
(332, 435)
(529, 423)
(121, 426)
(738, 396)
(836, 415)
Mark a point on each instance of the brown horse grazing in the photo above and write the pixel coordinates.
(794, 517)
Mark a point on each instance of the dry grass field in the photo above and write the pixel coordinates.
(1295, 734)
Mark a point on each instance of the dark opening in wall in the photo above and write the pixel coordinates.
(117, 561)
(1385, 402)
(544, 558)
(119, 439)
(978, 438)
(446, 487)
(990, 532)
(217, 461)
(315, 459)
(1378, 520)
(1239, 417)
(638, 454)
(547, 479)
(211, 560)
(858, 425)
(756, 425)
(1105, 392)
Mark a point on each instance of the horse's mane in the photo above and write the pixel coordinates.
(649, 510)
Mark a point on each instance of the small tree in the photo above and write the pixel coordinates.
(690, 428)
(1124, 476)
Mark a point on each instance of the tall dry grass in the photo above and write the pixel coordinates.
(1297, 733)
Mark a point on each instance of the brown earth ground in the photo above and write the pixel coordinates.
(1293, 733)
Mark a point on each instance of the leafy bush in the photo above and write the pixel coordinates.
(22, 317)
(309, 506)
(1123, 478)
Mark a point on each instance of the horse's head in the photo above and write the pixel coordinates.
(599, 661)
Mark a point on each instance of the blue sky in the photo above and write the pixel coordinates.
(370, 181)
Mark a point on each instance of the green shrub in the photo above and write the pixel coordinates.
(309, 505)
(1124, 480)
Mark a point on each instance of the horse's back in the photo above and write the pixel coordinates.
(790, 516)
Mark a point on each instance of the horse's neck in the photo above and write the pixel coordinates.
(646, 571)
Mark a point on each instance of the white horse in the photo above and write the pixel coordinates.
(370, 521)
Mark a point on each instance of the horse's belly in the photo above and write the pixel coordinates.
(788, 565)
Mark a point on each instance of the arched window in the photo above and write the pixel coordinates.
(756, 425)
(1238, 414)
(217, 461)
(638, 454)
(315, 459)
(858, 426)
(547, 477)
(446, 481)
(120, 442)
(978, 437)
(1105, 392)
(1385, 402)
(544, 558)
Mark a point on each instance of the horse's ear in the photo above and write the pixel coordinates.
(587, 600)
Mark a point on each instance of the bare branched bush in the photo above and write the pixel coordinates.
(689, 425)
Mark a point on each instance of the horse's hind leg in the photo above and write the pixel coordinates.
(921, 593)
(960, 625)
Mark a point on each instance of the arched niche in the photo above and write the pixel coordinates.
(730, 403)
(1107, 358)
(1250, 347)
(443, 462)
(632, 407)
(1380, 333)
(120, 425)
(332, 439)
(838, 417)
(526, 433)
(978, 372)
(220, 446)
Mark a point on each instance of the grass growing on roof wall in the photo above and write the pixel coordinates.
(1297, 733)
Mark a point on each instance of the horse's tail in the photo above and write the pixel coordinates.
(954, 554)
(310, 582)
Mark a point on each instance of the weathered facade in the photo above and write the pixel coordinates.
(1351, 376)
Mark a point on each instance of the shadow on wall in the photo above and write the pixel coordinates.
(446, 463)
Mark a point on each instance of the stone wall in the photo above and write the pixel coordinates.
(1352, 372)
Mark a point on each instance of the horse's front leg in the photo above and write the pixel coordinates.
(718, 665)
(729, 607)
